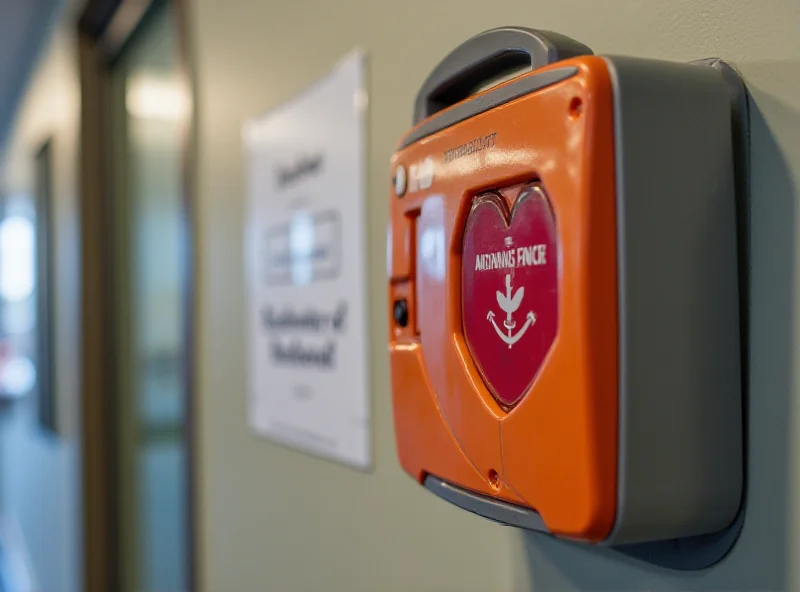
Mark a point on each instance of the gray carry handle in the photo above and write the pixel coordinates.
(487, 55)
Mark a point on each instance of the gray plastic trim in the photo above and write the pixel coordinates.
(702, 551)
(680, 371)
(495, 510)
(489, 100)
(686, 554)
(486, 54)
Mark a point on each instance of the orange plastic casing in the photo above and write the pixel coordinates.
(556, 450)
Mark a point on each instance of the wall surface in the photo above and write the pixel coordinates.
(39, 473)
(273, 519)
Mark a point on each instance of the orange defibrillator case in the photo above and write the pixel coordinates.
(564, 291)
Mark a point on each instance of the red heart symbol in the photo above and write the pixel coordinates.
(509, 287)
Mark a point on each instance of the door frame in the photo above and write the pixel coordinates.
(104, 27)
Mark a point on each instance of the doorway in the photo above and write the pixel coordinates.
(144, 525)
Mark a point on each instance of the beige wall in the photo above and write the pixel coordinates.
(39, 474)
(276, 520)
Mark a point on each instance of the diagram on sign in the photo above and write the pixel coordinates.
(510, 305)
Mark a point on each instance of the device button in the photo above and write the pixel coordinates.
(400, 180)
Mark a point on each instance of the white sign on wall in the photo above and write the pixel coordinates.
(306, 268)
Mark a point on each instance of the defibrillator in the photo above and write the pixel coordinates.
(564, 293)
